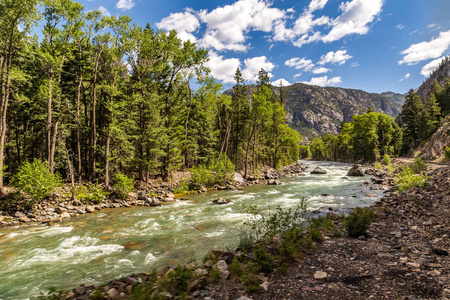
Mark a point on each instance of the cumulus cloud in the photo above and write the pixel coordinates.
(324, 81)
(321, 70)
(222, 68)
(281, 81)
(338, 57)
(184, 23)
(431, 66)
(355, 18)
(426, 50)
(254, 65)
(400, 26)
(125, 4)
(300, 63)
(405, 77)
(355, 64)
(104, 11)
(227, 26)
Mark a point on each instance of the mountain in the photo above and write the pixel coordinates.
(434, 147)
(440, 74)
(315, 110)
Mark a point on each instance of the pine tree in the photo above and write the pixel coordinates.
(411, 118)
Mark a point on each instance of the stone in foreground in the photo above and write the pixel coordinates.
(318, 170)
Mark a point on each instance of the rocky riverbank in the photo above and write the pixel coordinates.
(59, 206)
(404, 256)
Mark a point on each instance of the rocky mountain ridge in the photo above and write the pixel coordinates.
(440, 75)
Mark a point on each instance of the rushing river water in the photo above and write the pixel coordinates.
(90, 248)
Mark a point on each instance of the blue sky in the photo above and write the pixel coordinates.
(373, 45)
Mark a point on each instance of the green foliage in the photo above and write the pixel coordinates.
(276, 222)
(304, 151)
(407, 178)
(386, 160)
(183, 186)
(358, 221)
(35, 180)
(447, 152)
(418, 166)
(236, 269)
(219, 170)
(378, 166)
(368, 137)
(180, 278)
(214, 274)
(264, 259)
(122, 185)
(90, 193)
(246, 241)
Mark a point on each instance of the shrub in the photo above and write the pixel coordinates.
(386, 160)
(218, 171)
(180, 278)
(358, 221)
(407, 179)
(122, 185)
(264, 259)
(90, 194)
(447, 152)
(35, 180)
(378, 166)
(277, 222)
(417, 166)
(182, 187)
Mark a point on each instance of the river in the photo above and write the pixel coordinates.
(90, 248)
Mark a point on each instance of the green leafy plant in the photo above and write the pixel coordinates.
(218, 171)
(90, 194)
(386, 160)
(417, 166)
(358, 221)
(447, 152)
(407, 178)
(180, 278)
(122, 185)
(35, 180)
(182, 187)
(378, 166)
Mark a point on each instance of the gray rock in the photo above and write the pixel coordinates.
(24, 219)
(274, 182)
(65, 215)
(112, 293)
(19, 214)
(153, 202)
(221, 201)
(142, 195)
(60, 210)
(356, 171)
(223, 269)
(238, 177)
(318, 170)
(90, 209)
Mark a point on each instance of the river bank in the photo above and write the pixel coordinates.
(405, 256)
(59, 206)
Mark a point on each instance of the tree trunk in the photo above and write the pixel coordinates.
(93, 119)
(48, 125)
(80, 82)
(246, 152)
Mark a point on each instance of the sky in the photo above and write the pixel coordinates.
(373, 45)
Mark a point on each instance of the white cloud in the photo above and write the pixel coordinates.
(184, 23)
(104, 11)
(317, 4)
(400, 26)
(125, 4)
(324, 81)
(300, 63)
(431, 66)
(254, 65)
(321, 70)
(283, 82)
(338, 57)
(228, 25)
(355, 64)
(355, 17)
(405, 77)
(297, 75)
(426, 50)
(222, 68)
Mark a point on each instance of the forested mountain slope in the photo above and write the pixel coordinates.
(318, 110)
(440, 75)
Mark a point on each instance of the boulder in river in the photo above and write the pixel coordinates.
(318, 170)
(142, 195)
(221, 201)
(356, 171)
(274, 182)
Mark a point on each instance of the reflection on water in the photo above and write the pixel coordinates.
(98, 247)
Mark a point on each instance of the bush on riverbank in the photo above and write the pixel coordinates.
(447, 152)
(406, 179)
(122, 185)
(358, 221)
(218, 171)
(34, 181)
